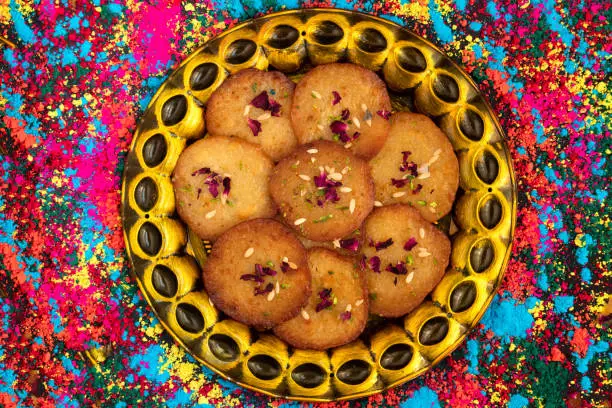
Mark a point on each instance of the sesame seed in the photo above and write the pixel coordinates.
(356, 122)
(312, 160)
(277, 287)
(359, 302)
(316, 94)
(302, 193)
(320, 127)
(345, 189)
(299, 221)
(264, 116)
(336, 176)
(410, 277)
(249, 252)
(304, 177)
(247, 109)
(312, 151)
(352, 206)
(271, 296)
(345, 170)
(398, 194)
(348, 145)
(421, 232)
(377, 204)
(348, 307)
(364, 107)
(210, 214)
(297, 163)
(337, 243)
(305, 315)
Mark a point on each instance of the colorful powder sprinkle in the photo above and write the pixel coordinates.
(79, 79)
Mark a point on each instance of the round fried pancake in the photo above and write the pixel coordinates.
(258, 273)
(416, 166)
(322, 190)
(219, 182)
(338, 307)
(343, 102)
(406, 257)
(254, 105)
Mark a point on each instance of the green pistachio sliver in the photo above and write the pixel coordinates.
(422, 202)
(323, 218)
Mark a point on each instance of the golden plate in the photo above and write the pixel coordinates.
(166, 257)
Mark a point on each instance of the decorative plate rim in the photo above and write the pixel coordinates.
(502, 266)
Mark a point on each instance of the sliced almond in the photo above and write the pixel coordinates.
(247, 109)
(299, 221)
(264, 116)
(356, 122)
(422, 232)
(304, 177)
(352, 206)
(336, 176)
(345, 189)
(398, 194)
(305, 314)
(271, 296)
(359, 302)
(410, 277)
(377, 204)
(312, 151)
(210, 214)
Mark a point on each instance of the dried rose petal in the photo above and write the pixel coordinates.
(261, 101)
(274, 107)
(213, 187)
(321, 180)
(325, 293)
(326, 301)
(397, 269)
(254, 125)
(323, 304)
(250, 276)
(268, 271)
(344, 316)
(356, 135)
(374, 264)
(337, 98)
(331, 195)
(352, 244)
(411, 243)
(345, 114)
(264, 102)
(226, 186)
(269, 288)
(284, 266)
(203, 170)
(382, 244)
(199, 192)
(417, 189)
(385, 114)
(399, 183)
(339, 128)
(405, 155)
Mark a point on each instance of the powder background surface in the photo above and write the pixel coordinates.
(72, 92)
